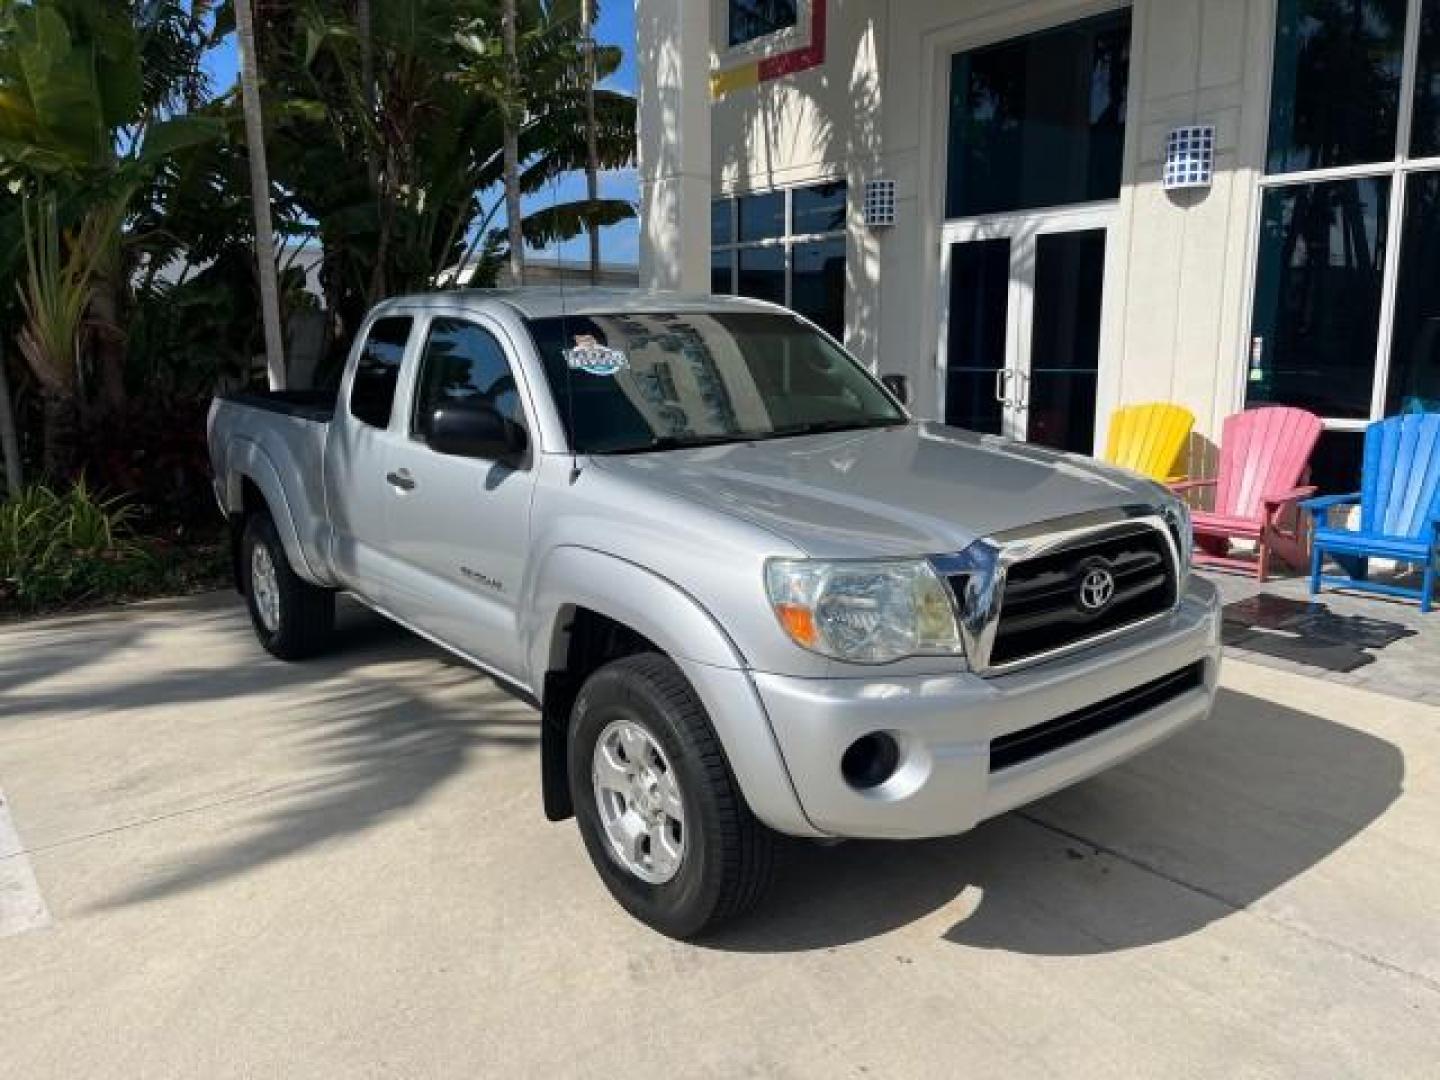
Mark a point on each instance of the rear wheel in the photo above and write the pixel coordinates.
(661, 815)
(292, 618)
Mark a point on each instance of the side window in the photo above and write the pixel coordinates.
(377, 372)
(751, 19)
(464, 363)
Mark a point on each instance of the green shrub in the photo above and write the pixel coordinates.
(59, 548)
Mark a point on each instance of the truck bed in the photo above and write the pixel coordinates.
(314, 405)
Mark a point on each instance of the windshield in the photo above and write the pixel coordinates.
(659, 381)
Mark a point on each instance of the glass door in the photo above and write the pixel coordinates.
(1020, 344)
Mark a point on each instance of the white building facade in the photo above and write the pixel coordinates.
(1037, 267)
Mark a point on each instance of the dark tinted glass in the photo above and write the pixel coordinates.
(1336, 464)
(1414, 382)
(817, 283)
(1039, 121)
(975, 348)
(818, 209)
(721, 276)
(762, 273)
(708, 377)
(463, 363)
(1336, 82)
(1065, 339)
(1317, 296)
(762, 217)
(751, 19)
(1425, 140)
(721, 212)
(372, 394)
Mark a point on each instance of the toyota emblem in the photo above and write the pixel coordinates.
(1097, 589)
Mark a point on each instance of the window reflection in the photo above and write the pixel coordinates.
(1317, 296)
(1415, 348)
(1425, 142)
(1336, 89)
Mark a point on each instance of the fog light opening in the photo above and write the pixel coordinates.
(870, 761)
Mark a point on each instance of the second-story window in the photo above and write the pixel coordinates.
(751, 19)
(787, 247)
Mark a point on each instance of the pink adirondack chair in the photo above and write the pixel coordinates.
(1264, 454)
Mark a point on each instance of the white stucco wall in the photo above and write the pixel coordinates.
(1178, 266)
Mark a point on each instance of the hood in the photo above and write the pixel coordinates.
(922, 489)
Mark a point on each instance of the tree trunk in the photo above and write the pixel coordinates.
(9, 438)
(592, 151)
(364, 31)
(512, 111)
(60, 445)
(260, 196)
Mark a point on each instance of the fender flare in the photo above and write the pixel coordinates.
(679, 625)
(248, 460)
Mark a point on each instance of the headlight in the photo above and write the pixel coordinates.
(864, 612)
(1176, 513)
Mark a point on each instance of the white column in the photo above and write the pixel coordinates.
(673, 39)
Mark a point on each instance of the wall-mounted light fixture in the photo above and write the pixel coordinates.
(1189, 158)
(879, 203)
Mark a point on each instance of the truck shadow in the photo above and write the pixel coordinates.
(1207, 824)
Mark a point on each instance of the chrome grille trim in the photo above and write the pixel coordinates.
(985, 564)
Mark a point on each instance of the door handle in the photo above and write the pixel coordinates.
(1002, 385)
(401, 479)
(1023, 382)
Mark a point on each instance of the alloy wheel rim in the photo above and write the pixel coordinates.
(638, 796)
(265, 588)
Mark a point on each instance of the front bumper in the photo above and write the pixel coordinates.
(944, 726)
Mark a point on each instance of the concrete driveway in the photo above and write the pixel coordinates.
(226, 866)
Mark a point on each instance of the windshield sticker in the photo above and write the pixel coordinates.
(591, 357)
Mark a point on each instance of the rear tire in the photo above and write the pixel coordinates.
(725, 855)
(293, 619)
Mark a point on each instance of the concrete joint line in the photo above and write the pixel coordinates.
(22, 907)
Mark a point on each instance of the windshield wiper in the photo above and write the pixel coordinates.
(823, 427)
(681, 442)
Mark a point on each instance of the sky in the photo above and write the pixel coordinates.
(619, 244)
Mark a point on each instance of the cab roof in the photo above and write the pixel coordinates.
(551, 301)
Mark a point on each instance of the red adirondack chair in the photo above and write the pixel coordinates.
(1264, 454)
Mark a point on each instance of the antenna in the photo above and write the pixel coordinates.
(565, 338)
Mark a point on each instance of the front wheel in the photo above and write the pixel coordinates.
(292, 618)
(663, 820)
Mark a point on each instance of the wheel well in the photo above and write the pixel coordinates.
(252, 501)
(594, 640)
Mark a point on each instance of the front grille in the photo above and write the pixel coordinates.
(1041, 608)
(1032, 742)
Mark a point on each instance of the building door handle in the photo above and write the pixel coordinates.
(401, 480)
(1002, 386)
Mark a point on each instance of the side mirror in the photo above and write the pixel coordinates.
(898, 385)
(475, 430)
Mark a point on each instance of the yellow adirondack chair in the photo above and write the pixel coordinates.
(1149, 439)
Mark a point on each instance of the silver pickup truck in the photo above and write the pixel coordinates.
(748, 592)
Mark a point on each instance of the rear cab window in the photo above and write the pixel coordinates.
(377, 371)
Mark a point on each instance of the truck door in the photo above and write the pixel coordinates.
(359, 459)
(459, 530)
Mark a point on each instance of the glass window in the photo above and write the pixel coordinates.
(1317, 296)
(377, 372)
(751, 19)
(1414, 383)
(707, 377)
(762, 273)
(1336, 83)
(1039, 120)
(818, 209)
(722, 272)
(762, 217)
(1425, 140)
(817, 283)
(464, 363)
(975, 340)
(721, 213)
(1065, 339)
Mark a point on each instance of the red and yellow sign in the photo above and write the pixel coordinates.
(773, 67)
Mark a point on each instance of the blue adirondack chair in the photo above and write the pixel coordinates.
(1399, 509)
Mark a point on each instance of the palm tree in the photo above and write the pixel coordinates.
(260, 196)
(9, 440)
(592, 150)
(511, 110)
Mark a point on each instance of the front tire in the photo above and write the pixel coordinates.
(292, 618)
(663, 820)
